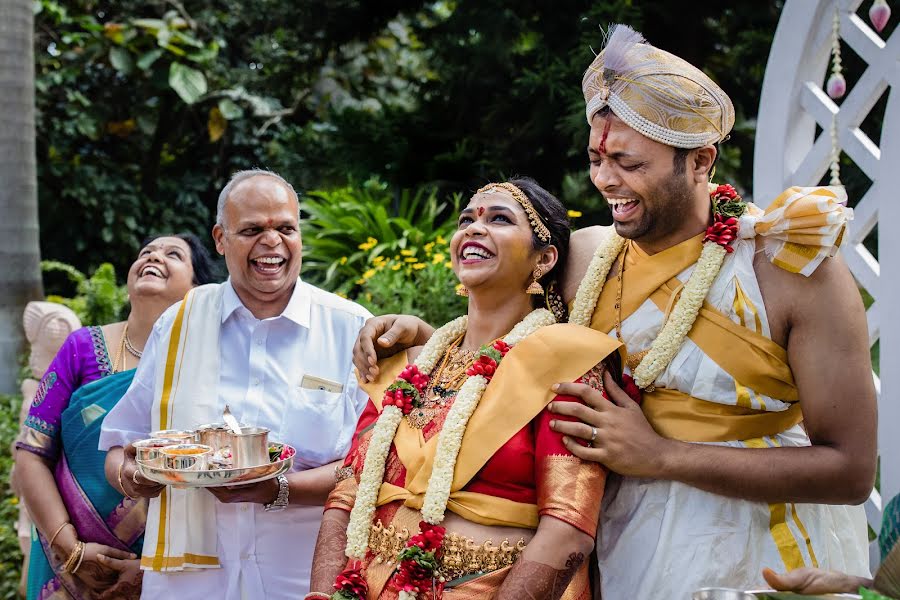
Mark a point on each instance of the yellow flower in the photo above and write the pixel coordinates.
(428, 247)
(343, 260)
(448, 264)
(360, 281)
(396, 267)
(574, 214)
(379, 261)
(341, 294)
(368, 244)
(407, 252)
(368, 296)
(441, 240)
(438, 258)
(419, 266)
(411, 259)
(368, 274)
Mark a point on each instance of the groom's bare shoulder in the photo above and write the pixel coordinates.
(581, 250)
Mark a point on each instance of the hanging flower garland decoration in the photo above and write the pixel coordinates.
(420, 566)
(727, 208)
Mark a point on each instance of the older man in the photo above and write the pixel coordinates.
(758, 421)
(277, 351)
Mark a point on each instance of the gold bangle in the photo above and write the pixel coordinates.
(80, 558)
(75, 556)
(119, 478)
(58, 530)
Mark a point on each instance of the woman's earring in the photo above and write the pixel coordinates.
(462, 291)
(535, 288)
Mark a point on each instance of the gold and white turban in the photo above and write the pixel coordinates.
(656, 93)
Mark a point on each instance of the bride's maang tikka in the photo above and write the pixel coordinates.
(519, 196)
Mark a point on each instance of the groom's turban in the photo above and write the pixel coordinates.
(657, 94)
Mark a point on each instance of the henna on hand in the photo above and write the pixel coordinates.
(532, 580)
(329, 559)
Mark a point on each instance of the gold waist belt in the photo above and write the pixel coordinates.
(460, 556)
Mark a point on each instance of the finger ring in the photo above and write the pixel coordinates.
(593, 435)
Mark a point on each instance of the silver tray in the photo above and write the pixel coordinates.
(729, 594)
(215, 477)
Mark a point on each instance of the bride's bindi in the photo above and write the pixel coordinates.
(480, 210)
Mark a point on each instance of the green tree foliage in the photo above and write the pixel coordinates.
(146, 107)
(345, 229)
(98, 299)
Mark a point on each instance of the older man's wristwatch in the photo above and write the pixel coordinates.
(281, 501)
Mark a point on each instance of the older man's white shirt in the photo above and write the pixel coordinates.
(263, 555)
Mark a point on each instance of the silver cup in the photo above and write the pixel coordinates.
(186, 457)
(184, 436)
(250, 448)
(216, 435)
(149, 450)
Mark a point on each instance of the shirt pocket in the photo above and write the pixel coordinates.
(313, 424)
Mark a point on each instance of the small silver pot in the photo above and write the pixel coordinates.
(250, 448)
(186, 457)
(149, 450)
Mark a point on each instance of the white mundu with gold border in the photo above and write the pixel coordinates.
(664, 539)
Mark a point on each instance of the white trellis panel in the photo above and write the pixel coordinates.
(788, 152)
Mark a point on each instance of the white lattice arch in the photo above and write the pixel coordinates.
(788, 152)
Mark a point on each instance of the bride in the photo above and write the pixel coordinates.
(455, 486)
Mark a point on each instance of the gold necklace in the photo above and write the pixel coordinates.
(446, 380)
(631, 360)
(129, 346)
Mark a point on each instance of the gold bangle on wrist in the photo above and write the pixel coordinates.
(122, 485)
(75, 557)
(58, 530)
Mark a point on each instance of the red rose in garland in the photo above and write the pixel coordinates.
(727, 208)
(350, 585)
(418, 561)
(488, 358)
(406, 392)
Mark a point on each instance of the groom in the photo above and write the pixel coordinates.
(749, 444)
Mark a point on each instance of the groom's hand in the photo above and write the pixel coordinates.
(624, 441)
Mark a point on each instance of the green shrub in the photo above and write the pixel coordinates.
(344, 229)
(10, 556)
(416, 281)
(98, 300)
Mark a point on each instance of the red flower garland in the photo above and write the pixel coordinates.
(488, 358)
(351, 584)
(727, 207)
(418, 570)
(406, 392)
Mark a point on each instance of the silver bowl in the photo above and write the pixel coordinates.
(215, 477)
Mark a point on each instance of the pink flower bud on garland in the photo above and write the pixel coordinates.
(879, 14)
(350, 585)
(406, 392)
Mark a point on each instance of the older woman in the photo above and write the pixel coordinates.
(455, 485)
(87, 532)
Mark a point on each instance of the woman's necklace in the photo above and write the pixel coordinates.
(445, 382)
(129, 346)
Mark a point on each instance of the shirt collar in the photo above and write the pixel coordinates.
(297, 309)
